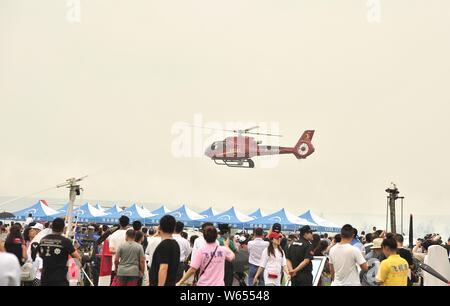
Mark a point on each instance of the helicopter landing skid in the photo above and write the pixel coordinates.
(240, 163)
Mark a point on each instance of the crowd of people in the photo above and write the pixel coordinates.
(36, 254)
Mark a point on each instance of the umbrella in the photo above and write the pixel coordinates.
(6, 215)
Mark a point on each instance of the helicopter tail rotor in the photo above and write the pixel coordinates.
(304, 147)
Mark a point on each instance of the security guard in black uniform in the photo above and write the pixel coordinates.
(299, 257)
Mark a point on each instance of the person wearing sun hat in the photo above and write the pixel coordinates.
(37, 227)
(376, 251)
(33, 256)
(374, 257)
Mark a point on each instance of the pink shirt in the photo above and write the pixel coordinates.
(213, 275)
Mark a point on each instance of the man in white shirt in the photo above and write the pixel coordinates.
(185, 248)
(116, 239)
(29, 219)
(344, 259)
(153, 243)
(255, 250)
(9, 269)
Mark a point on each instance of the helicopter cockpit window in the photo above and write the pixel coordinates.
(214, 146)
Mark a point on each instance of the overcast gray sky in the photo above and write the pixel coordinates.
(101, 96)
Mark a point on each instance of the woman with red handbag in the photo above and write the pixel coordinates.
(273, 262)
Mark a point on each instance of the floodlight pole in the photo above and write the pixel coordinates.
(74, 191)
(387, 213)
(401, 222)
(393, 195)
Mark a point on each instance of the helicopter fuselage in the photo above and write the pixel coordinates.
(243, 147)
(237, 151)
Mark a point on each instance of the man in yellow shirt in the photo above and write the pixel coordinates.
(393, 270)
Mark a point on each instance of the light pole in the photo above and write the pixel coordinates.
(401, 214)
(75, 190)
(393, 195)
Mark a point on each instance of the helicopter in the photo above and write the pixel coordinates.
(238, 151)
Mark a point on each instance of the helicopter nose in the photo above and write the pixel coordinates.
(209, 152)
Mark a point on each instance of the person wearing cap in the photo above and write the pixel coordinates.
(32, 252)
(276, 227)
(35, 229)
(374, 258)
(31, 232)
(273, 262)
(299, 258)
(376, 250)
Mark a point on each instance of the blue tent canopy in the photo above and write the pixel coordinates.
(114, 209)
(134, 212)
(210, 212)
(232, 217)
(84, 213)
(113, 215)
(163, 210)
(99, 207)
(288, 221)
(321, 224)
(64, 208)
(187, 216)
(257, 214)
(40, 212)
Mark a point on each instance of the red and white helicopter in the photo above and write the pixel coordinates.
(238, 151)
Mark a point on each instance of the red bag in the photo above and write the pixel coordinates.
(115, 282)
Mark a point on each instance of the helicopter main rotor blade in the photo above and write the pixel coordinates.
(251, 128)
(264, 134)
(209, 128)
(235, 131)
